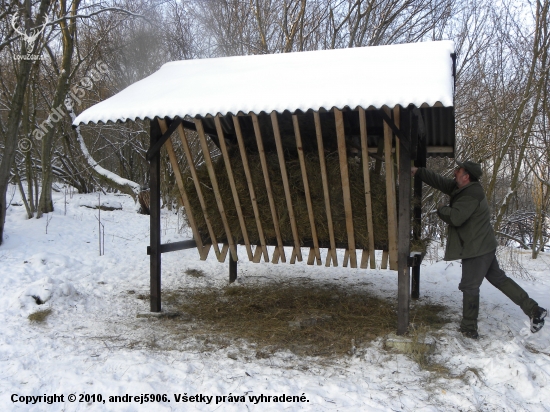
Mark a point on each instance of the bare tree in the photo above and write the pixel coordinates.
(15, 109)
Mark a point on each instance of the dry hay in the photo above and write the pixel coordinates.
(40, 315)
(332, 318)
(357, 188)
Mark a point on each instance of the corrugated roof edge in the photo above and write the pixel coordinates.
(120, 121)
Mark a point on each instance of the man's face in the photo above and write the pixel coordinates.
(462, 178)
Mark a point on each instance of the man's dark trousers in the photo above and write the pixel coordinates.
(474, 270)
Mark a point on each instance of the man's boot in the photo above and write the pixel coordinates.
(517, 295)
(470, 310)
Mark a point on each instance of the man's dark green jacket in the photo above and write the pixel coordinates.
(470, 232)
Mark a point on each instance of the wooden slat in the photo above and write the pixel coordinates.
(277, 255)
(420, 161)
(279, 250)
(244, 157)
(384, 264)
(312, 257)
(331, 253)
(346, 258)
(342, 153)
(258, 254)
(203, 251)
(297, 252)
(439, 149)
(215, 188)
(368, 198)
(365, 257)
(198, 188)
(396, 117)
(390, 195)
(223, 252)
(379, 154)
(236, 199)
(306, 191)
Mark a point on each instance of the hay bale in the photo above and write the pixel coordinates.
(378, 194)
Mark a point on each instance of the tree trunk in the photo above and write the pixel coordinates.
(68, 32)
(14, 120)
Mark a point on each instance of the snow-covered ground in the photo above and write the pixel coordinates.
(93, 343)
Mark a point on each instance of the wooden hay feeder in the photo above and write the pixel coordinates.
(391, 104)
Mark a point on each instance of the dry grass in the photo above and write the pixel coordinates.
(40, 316)
(196, 273)
(307, 319)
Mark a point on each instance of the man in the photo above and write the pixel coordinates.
(471, 238)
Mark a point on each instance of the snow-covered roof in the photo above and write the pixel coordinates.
(418, 73)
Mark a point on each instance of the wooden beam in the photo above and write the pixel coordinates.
(215, 187)
(155, 228)
(155, 149)
(417, 208)
(207, 131)
(223, 252)
(315, 250)
(390, 195)
(384, 263)
(203, 251)
(279, 250)
(386, 116)
(262, 248)
(403, 271)
(368, 198)
(396, 120)
(440, 149)
(379, 157)
(297, 252)
(198, 188)
(331, 253)
(232, 269)
(343, 156)
(175, 246)
(228, 168)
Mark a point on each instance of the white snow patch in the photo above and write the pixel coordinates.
(403, 74)
(45, 291)
(93, 343)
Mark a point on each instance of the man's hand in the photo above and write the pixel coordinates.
(413, 170)
(441, 204)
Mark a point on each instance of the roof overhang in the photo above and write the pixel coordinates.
(420, 74)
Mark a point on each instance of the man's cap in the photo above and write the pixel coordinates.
(473, 168)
